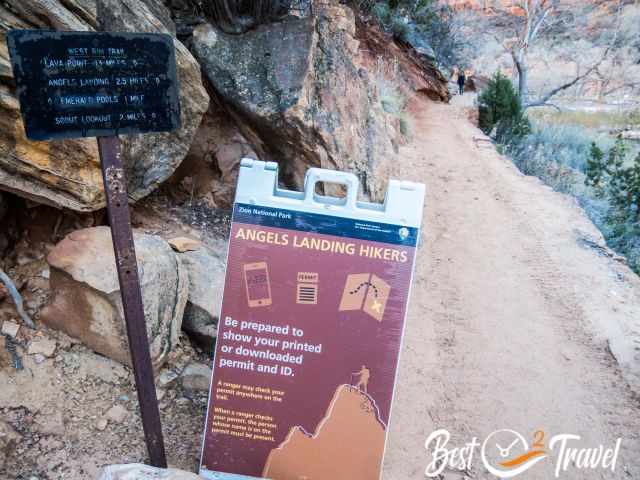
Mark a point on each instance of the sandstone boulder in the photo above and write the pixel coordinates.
(137, 471)
(296, 83)
(86, 303)
(206, 272)
(67, 173)
(154, 157)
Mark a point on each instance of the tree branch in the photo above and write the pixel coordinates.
(547, 104)
(17, 299)
(545, 99)
(537, 23)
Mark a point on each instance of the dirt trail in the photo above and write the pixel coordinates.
(516, 310)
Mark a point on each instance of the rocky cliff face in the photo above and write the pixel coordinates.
(299, 86)
(419, 74)
(66, 173)
(300, 91)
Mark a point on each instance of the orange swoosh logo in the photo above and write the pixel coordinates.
(522, 458)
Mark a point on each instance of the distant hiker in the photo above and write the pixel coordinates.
(461, 80)
(363, 378)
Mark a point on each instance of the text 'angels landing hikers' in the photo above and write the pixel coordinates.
(310, 329)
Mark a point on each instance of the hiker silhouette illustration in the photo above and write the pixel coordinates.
(461, 80)
(363, 379)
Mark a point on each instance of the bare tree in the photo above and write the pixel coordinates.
(530, 20)
(619, 73)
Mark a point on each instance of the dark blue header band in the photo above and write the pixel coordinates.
(325, 224)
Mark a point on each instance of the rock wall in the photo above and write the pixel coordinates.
(297, 84)
(62, 173)
(66, 173)
(212, 165)
(415, 73)
(302, 92)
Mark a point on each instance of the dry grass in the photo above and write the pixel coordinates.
(591, 120)
(391, 90)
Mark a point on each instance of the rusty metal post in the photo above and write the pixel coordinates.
(115, 185)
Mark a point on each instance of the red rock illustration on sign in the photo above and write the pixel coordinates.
(352, 419)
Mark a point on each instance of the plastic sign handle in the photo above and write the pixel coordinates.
(315, 175)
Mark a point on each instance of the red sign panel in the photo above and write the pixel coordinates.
(308, 345)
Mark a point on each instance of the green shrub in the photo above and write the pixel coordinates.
(382, 13)
(405, 124)
(595, 169)
(555, 154)
(427, 25)
(500, 111)
(399, 27)
(392, 99)
(617, 178)
(566, 145)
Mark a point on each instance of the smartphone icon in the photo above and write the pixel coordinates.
(256, 280)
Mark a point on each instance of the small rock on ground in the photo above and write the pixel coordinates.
(10, 328)
(50, 423)
(196, 376)
(167, 377)
(43, 346)
(117, 414)
(185, 244)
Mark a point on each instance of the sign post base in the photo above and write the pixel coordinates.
(115, 186)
